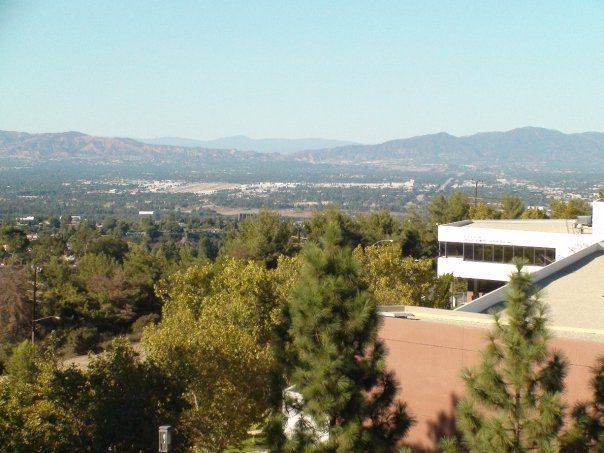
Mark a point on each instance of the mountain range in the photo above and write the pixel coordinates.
(523, 145)
(75, 145)
(243, 143)
(527, 145)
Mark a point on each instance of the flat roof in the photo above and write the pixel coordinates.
(592, 330)
(575, 295)
(565, 226)
(572, 289)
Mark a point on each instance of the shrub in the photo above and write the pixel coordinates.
(83, 339)
(144, 321)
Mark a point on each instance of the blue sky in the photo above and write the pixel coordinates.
(366, 71)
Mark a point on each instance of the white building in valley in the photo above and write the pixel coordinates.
(482, 251)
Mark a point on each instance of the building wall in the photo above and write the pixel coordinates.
(565, 245)
(428, 357)
(478, 269)
(598, 218)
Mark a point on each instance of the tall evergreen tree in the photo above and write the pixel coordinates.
(335, 359)
(513, 401)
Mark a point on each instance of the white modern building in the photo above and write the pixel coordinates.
(482, 251)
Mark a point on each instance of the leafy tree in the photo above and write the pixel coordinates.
(458, 207)
(511, 207)
(482, 211)
(337, 361)
(263, 238)
(446, 210)
(29, 422)
(534, 213)
(126, 400)
(350, 230)
(214, 337)
(514, 396)
(109, 224)
(46, 247)
(83, 238)
(22, 365)
(586, 433)
(110, 246)
(395, 280)
(438, 210)
(60, 292)
(54, 222)
(418, 236)
(441, 211)
(377, 226)
(571, 209)
(13, 244)
(143, 271)
(152, 230)
(117, 401)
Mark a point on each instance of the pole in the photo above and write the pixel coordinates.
(33, 308)
(476, 182)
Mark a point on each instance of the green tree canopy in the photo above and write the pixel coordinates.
(570, 209)
(534, 213)
(214, 337)
(511, 207)
(111, 246)
(377, 226)
(397, 280)
(482, 211)
(317, 226)
(452, 209)
(261, 238)
(117, 401)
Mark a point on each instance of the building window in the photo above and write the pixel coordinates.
(498, 253)
(478, 252)
(450, 249)
(550, 256)
(508, 253)
(468, 252)
(454, 250)
(488, 253)
(494, 253)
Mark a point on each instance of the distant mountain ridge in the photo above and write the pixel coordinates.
(75, 145)
(536, 146)
(244, 143)
(528, 144)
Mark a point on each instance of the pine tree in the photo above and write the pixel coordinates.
(511, 207)
(513, 401)
(587, 430)
(335, 360)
